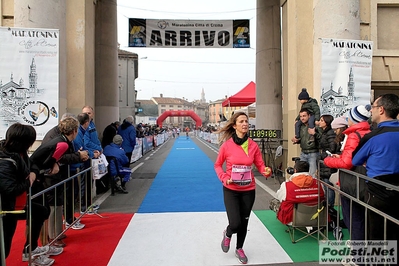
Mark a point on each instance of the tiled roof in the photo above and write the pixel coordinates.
(169, 100)
(126, 53)
(146, 102)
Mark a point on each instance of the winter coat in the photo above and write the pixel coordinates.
(128, 134)
(313, 107)
(120, 155)
(13, 178)
(300, 188)
(58, 149)
(350, 144)
(234, 154)
(326, 139)
(78, 144)
(108, 134)
(306, 146)
(91, 138)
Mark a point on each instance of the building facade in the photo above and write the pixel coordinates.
(127, 73)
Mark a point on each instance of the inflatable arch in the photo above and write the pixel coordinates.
(164, 115)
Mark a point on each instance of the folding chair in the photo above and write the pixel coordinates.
(306, 215)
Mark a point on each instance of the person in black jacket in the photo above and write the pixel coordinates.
(109, 133)
(326, 139)
(15, 179)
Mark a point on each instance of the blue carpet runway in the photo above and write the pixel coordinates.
(182, 217)
(186, 182)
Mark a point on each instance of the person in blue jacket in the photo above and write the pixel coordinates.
(115, 150)
(128, 133)
(91, 139)
(379, 151)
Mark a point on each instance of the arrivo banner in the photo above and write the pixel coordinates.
(166, 33)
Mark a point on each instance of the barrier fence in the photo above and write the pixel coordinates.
(81, 180)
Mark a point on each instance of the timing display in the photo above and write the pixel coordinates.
(265, 133)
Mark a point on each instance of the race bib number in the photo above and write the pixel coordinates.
(241, 175)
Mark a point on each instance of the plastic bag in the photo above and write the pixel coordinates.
(99, 167)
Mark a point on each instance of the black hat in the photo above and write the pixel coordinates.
(303, 95)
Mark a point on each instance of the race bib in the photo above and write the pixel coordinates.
(241, 175)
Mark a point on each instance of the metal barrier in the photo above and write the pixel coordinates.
(357, 200)
(84, 178)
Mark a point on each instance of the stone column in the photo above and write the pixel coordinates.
(106, 65)
(268, 73)
(268, 65)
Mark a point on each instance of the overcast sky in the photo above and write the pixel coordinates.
(183, 72)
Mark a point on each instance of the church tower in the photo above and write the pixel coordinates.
(203, 96)
(33, 79)
(351, 87)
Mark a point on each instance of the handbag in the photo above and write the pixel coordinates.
(99, 167)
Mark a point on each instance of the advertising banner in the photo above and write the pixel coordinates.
(29, 78)
(166, 33)
(147, 144)
(345, 75)
(138, 150)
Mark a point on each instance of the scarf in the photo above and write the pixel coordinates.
(243, 142)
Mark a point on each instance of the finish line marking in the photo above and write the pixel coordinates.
(185, 148)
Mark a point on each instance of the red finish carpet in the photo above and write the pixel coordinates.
(93, 245)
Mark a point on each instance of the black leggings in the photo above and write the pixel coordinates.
(39, 215)
(238, 207)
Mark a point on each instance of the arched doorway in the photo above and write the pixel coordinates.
(164, 115)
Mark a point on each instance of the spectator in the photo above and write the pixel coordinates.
(326, 137)
(55, 131)
(301, 187)
(109, 132)
(91, 139)
(115, 150)
(47, 161)
(379, 150)
(239, 153)
(358, 127)
(15, 179)
(314, 114)
(70, 158)
(140, 131)
(339, 125)
(79, 146)
(128, 134)
(309, 150)
(93, 145)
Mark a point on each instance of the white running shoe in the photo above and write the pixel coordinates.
(54, 251)
(42, 260)
(38, 251)
(76, 226)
